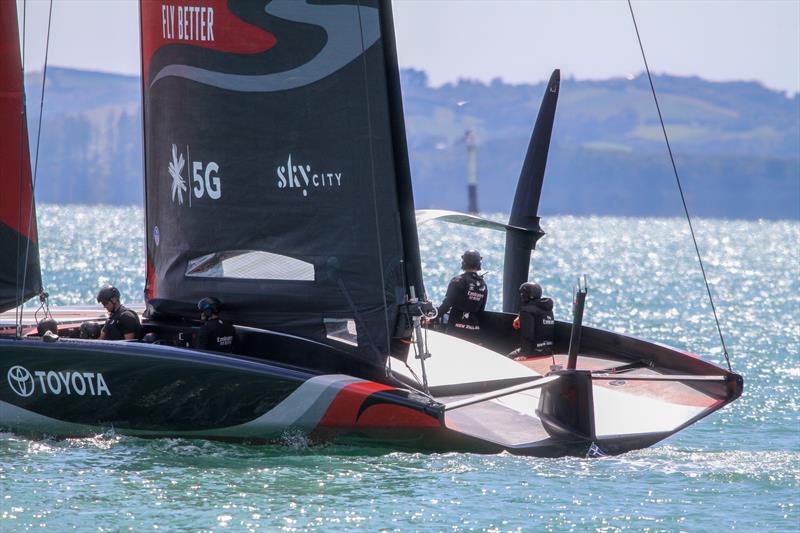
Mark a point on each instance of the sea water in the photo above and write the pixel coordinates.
(737, 470)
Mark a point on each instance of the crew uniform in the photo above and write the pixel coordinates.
(120, 323)
(216, 335)
(465, 299)
(536, 322)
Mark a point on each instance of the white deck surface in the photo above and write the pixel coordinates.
(455, 361)
(620, 413)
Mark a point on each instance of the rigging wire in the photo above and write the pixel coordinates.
(680, 188)
(35, 161)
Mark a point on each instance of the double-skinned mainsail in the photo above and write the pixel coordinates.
(20, 276)
(276, 170)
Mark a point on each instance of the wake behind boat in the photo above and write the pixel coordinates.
(277, 180)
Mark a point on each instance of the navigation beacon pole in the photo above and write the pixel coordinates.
(472, 173)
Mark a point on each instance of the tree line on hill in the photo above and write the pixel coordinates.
(737, 144)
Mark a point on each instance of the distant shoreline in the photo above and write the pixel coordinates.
(500, 216)
(737, 144)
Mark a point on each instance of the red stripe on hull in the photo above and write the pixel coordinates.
(395, 416)
(344, 410)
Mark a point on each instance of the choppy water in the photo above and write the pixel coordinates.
(738, 470)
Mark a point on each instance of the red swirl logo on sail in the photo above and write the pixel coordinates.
(206, 23)
(349, 31)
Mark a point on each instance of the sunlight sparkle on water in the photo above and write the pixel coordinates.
(737, 470)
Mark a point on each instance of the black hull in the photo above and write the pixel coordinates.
(76, 388)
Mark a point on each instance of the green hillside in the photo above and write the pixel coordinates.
(737, 144)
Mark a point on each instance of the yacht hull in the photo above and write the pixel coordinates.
(79, 388)
(73, 388)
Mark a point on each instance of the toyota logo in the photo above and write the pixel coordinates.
(20, 380)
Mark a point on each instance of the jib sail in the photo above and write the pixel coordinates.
(17, 213)
(276, 170)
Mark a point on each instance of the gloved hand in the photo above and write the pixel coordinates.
(515, 324)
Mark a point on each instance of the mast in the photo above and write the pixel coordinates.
(524, 212)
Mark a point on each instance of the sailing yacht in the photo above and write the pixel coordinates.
(277, 180)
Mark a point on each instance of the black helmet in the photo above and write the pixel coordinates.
(48, 324)
(107, 293)
(471, 259)
(530, 291)
(90, 330)
(209, 306)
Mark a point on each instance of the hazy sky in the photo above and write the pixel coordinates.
(517, 40)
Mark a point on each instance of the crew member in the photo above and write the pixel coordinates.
(45, 325)
(215, 334)
(122, 323)
(466, 298)
(535, 322)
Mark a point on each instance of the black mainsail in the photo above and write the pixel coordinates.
(20, 275)
(276, 171)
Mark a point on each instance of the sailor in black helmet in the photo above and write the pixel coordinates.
(215, 334)
(122, 323)
(535, 322)
(466, 298)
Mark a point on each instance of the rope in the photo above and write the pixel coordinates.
(680, 188)
(35, 164)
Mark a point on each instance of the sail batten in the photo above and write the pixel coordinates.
(272, 175)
